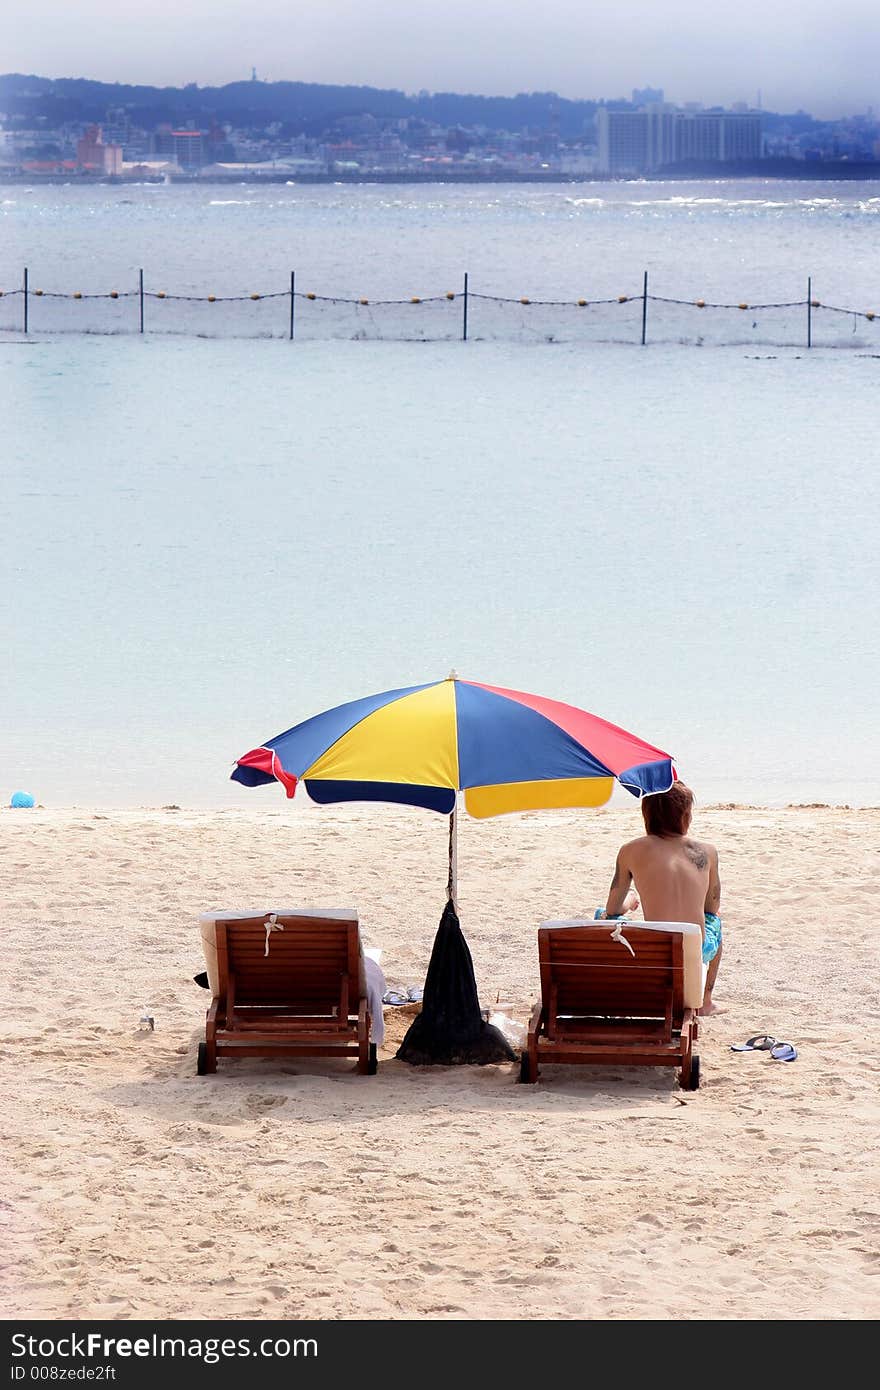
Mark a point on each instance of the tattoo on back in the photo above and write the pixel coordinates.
(697, 855)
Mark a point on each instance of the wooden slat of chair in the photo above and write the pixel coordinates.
(595, 1030)
(613, 1054)
(229, 1049)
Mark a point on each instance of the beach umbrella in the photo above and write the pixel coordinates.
(421, 745)
(425, 745)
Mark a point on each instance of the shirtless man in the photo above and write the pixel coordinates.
(675, 877)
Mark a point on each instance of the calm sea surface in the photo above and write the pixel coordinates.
(205, 540)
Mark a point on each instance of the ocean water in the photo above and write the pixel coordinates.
(205, 541)
(756, 240)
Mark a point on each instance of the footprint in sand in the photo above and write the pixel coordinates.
(258, 1103)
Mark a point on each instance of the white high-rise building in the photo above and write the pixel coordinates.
(639, 142)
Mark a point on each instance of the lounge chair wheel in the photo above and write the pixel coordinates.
(372, 1061)
(202, 1060)
(525, 1074)
(694, 1082)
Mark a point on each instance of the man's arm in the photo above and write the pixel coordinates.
(713, 892)
(620, 884)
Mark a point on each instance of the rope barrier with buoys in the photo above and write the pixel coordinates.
(449, 296)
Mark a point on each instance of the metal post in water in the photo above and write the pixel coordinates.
(141, 296)
(25, 300)
(464, 320)
(644, 308)
(292, 301)
(809, 311)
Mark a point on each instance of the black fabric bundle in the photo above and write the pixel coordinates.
(451, 1029)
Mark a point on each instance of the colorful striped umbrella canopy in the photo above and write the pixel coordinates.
(421, 745)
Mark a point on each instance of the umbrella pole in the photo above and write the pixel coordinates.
(452, 880)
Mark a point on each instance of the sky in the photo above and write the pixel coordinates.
(816, 55)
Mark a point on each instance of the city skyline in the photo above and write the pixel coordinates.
(813, 58)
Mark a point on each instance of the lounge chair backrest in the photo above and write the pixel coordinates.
(585, 969)
(309, 955)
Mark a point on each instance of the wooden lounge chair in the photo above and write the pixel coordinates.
(286, 984)
(617, 993)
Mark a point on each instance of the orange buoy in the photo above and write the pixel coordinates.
(814, 304)
(700, 303)
(622, 298)
(363, 301)
(77, 295)
(525, 301)
(212, 298)
(582, 304)
(114, 294)
(38, 292)
(415, 300)
(743, 306)
(256, 296)
(870, 315)
(310, 296)
(160, 294)
(449, 294)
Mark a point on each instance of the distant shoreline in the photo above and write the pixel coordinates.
(764, 170)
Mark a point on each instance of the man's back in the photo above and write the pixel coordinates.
(673, 876)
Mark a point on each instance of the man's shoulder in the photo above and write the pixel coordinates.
(633, 846)
(709, 849)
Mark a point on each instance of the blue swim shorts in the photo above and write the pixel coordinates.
(712, 939)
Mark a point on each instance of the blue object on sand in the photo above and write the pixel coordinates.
(21, 799)
(761, 1042)
(394, 996)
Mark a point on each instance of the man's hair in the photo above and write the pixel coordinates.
(668, 813)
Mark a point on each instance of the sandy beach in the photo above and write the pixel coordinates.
(133, 1188)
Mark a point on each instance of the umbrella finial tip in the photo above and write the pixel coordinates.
(453, 675)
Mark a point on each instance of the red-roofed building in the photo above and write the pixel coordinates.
(50, 166)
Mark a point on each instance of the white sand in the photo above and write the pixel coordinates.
(133, 1188)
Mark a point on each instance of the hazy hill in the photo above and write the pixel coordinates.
(300, 107)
